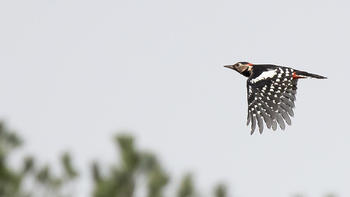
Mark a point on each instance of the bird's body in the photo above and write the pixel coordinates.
(271, 93)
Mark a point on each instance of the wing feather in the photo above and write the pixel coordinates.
(271, 100)
(260, 123)
(253, 123)
(285, 116)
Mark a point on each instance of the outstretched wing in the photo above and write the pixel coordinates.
(271, 97)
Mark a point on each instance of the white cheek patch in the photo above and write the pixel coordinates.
(265, 75)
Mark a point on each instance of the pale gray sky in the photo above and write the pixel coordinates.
(75, 72)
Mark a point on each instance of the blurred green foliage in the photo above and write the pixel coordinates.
(121, 179)
(31, 180)
(135, 171)
(186, 188)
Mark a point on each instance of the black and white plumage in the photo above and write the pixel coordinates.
(271, 93)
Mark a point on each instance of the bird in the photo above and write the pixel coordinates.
(271, 93)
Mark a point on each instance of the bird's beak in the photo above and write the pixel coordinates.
(229, 66)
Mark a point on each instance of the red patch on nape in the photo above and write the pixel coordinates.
(249, 64)
(295, 76)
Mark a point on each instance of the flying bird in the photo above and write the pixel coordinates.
(271, 91)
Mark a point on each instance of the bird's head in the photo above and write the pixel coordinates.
(244, 68)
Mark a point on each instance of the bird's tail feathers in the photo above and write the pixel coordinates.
(303, 74)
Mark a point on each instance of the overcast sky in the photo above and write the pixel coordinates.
(75, 72)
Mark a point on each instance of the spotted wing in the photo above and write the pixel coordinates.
(271, 99)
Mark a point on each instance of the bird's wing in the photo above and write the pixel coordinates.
(271, 97)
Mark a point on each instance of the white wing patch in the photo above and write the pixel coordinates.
(265, 75)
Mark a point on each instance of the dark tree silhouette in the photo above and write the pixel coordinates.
(121, 179)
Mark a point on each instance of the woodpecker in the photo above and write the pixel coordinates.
(271, 91)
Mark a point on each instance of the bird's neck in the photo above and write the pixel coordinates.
(246, 73)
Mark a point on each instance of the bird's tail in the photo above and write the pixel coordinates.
(303, 74)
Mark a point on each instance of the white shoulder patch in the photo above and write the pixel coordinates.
(265, 75)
